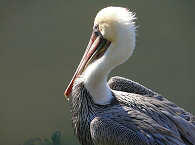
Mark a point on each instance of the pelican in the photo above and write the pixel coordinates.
(121, 111)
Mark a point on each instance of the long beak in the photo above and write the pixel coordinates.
(95, 49)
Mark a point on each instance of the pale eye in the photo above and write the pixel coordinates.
(97, 31)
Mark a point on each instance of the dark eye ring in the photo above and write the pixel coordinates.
(97, 31)
(96, 27)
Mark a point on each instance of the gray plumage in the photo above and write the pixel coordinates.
(136, 116)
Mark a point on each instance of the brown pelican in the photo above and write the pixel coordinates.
(121, 112)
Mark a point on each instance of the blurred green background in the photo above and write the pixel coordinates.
(41, 44)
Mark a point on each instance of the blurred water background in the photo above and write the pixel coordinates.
(41, 44)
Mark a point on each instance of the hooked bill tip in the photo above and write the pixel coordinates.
(68, 90)
(67, 95)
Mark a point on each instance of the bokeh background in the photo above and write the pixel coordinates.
(41, 44)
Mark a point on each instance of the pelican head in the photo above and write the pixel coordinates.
(112, 42)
